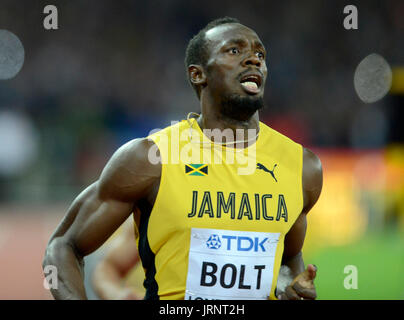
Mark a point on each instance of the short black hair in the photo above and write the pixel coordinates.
(196, 52)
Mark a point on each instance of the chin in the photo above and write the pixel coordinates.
(241, 107)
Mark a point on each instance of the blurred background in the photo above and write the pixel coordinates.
(114, 71)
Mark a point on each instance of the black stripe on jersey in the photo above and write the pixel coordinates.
(147, 255)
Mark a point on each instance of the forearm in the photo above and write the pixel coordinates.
(295, 264)
(70, 270)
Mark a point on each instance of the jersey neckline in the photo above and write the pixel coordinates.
(205, 140)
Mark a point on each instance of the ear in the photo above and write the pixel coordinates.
(196, 75)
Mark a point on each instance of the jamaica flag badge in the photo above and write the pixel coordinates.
(196, 169)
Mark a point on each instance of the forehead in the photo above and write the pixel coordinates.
(225, 33)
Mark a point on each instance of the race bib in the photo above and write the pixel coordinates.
(230, 265)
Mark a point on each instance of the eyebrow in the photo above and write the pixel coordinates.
(241, 41)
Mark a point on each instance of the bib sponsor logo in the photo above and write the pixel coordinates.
(239, 243)
(214, 242)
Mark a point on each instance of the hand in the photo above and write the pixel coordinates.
(302, 287)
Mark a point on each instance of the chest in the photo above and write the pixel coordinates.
(209, 195)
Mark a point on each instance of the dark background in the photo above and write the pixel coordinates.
(114, 71)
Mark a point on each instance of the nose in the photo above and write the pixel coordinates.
(252, 60)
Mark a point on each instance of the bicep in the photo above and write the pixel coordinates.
(91, 220)
(100, 209)
(312, 182)
(312, 179)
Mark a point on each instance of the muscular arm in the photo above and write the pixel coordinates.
(312, 184)
(97, 212)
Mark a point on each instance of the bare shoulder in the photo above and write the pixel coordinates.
(312, 178)
(130, 172)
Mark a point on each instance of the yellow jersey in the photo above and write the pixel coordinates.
(217, 227)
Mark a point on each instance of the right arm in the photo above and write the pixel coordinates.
(97, 212)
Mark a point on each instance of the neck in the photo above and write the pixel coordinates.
(243, 131)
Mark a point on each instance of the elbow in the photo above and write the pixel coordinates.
(51, 250)
(49, 253)
(57, 250)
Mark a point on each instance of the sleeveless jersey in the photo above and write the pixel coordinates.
(217, 227)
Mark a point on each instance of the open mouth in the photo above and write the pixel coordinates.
(251, 83)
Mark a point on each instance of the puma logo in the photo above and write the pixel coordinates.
(262, 167)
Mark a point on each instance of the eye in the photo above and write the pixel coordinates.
(234, 50)
(260, 54)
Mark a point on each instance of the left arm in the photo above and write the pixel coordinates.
(292, 258)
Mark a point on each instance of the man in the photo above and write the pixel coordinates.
(206, 231)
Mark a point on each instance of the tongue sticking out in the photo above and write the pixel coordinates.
(250, 86)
